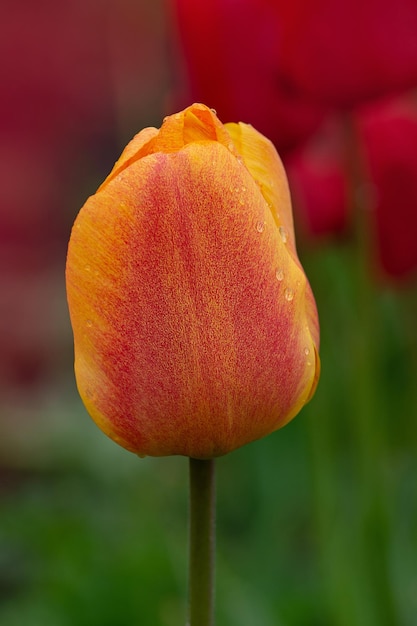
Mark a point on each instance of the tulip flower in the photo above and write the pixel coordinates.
(195, 327)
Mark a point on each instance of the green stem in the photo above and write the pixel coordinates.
(202, 542)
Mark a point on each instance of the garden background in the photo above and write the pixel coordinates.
(317, 524)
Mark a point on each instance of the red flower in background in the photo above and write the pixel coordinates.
(389, 135)
(293, 69)
(230, 51)
(319, 182)
(344, 52)
(387, 139)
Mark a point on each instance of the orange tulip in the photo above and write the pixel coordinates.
(195, 327)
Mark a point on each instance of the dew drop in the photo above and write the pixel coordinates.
(87, 268)
(306, 351)
(89, 323)
(213, 111)
(241, 201)
(279, 274)
(283, 234)
(260, 227)
(289, 294)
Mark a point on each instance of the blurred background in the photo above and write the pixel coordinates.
(317, 524)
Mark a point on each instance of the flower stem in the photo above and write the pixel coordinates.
(202, 542)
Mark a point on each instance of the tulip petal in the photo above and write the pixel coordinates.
(266, 167)
(196, 123)
(263, 162)
(136, 148)
(191, 319)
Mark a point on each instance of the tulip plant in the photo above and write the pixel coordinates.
(195, 328)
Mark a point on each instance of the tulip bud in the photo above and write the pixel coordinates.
(195, 327)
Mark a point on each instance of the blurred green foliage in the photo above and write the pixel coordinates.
(317, 524)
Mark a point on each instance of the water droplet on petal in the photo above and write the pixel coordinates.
(213, 111)
(279, 274)
(89, 323)
(289, 294)
(283, 234)
(260, 227)
(87, 268)
(306, 351)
